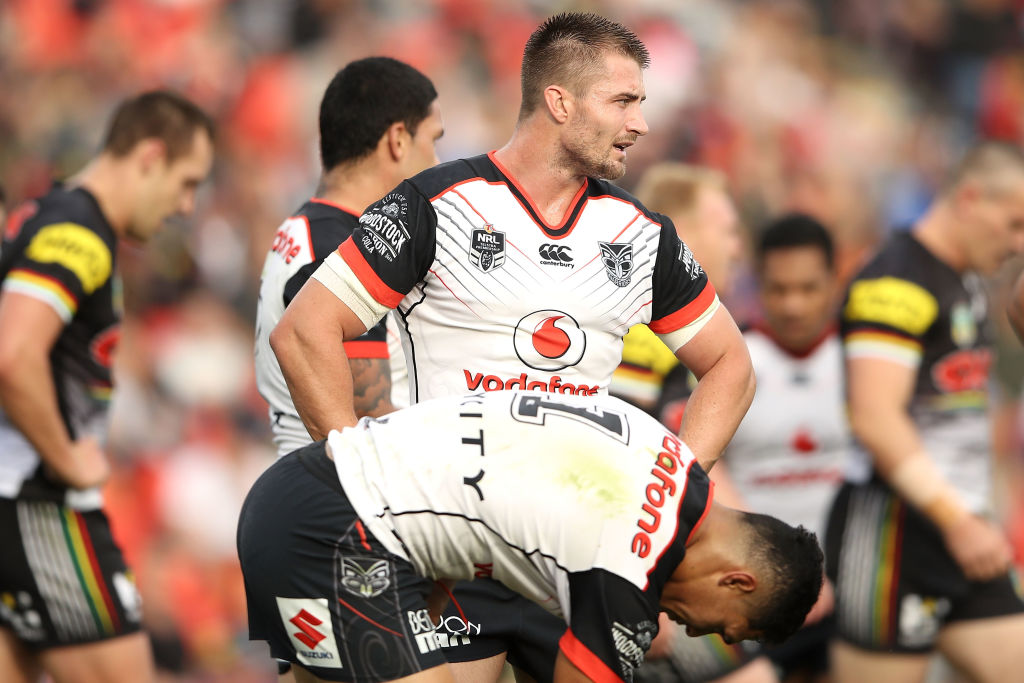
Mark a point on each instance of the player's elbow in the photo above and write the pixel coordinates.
(283, 339)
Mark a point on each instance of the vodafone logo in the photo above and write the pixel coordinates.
(549, 340)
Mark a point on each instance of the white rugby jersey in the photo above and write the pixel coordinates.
(582, 504)
(788, 454)
(489, 296)
(299, 247)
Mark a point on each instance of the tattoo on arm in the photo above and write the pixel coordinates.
(371, 386)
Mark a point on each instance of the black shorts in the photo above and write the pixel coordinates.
(806, 650)
(896, 584)
(63, 580)
(485, 619)
(320, 588)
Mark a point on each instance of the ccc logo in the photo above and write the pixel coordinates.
(555, 252)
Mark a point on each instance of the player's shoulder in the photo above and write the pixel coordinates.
(900, 256)
(603, 189)
(436, 180)
(329, 224)
(72, 206)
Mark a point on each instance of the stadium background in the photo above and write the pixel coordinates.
(850, 110)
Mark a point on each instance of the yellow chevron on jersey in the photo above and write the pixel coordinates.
(76, 248)
(894, 302)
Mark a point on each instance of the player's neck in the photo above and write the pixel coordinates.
(937, 231)
(354, 187)
(536, 170)
(109, 183)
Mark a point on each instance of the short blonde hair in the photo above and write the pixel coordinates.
(671, 187)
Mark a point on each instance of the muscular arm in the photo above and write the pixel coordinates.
(718, 357)
(28, 330)
(307, 343)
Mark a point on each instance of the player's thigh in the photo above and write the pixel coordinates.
(480, 671)
(851, 664)
(127, 659)
(987, 650)
(320, 588)
(17, 665)
(438, 674)
(705, 659)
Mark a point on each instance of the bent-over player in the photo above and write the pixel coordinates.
(340, 542)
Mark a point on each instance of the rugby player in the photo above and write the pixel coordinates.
(585, 505)
(68, 603)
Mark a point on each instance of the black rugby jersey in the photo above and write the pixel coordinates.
(909, 307)
(61, 250)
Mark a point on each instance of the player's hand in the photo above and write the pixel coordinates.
(87, 465)
(979, 547)
(824, 606)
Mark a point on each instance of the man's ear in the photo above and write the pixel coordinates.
(559, 102)
(739, 580)
(150, 153)
(395, 138)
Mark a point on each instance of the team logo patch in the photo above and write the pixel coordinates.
(631, 643)
(76, 248)
(689, 262)
(618, 262)
(555, 255)
(487, 249)
(963, 327)
(920, 619)
(384, 225)
(549, 340)
(366, 581)
(307, 621)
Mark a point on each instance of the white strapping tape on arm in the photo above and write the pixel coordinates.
(677, 338)
(335, 275)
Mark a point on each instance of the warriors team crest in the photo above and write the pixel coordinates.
(367, 580)
(487, 249)
(618, 262)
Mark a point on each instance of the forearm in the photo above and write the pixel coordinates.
(716, 407)
(29, 400)
(318, 377)
(899, 457)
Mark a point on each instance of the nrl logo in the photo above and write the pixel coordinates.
(618, 262)
(487, 249)
(366, 582)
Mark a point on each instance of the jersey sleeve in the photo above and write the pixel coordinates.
(61, 265)
(684, 298)
(887, 317)
(393, 247)
(611, 627)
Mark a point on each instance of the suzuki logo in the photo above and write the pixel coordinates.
(309, 637)
(555, 252)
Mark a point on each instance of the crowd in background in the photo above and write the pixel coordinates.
(848, 110)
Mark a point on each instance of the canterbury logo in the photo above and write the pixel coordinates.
(555, 252)
(309, 637)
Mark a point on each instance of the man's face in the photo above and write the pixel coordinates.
(422, 153)
(606, 120)
(797, 289)
(708, 607)
(712, 231)
(169, 189)
(994, 225)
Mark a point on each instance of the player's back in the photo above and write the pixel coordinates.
(522, 486)
(300, 245)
